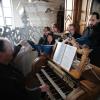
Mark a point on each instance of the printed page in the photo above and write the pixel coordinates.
(68, 57)
(59, 52)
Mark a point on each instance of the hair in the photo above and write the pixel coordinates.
(48, 28)
(2, 49)
(96, 14)
(76, 27)
(5, 44)
(53, 37)
(51, 33)
(56, 25)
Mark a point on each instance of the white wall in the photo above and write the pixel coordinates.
(36, 13)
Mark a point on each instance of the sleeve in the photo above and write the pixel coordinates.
(16, 50)
(41, 41)
(33, 89)
(34, 93)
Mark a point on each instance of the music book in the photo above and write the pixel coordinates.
(59, 52)
(47, 49)
(64, 55)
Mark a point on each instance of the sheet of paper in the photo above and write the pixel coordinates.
(68, 57)
(59, 52)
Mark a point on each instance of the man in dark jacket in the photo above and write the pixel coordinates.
(12, 80)
(87, 33)
(91, 37)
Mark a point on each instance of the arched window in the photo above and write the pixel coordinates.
(69, 8)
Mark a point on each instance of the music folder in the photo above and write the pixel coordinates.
(47, 49)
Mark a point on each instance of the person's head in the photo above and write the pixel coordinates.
(50, 38)
(6, 50)
(46, 30)
(93, 19)
(71, 28)
(55, 28)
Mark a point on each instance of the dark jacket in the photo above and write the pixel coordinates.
(95, 36)
(43, 40)
(95, 45)
(85, 39)
(12, 84)
(16, 50)
(91, 38)
(76, 35)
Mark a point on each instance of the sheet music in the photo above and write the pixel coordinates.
(47, 49)
(68, 57)
(59, 52)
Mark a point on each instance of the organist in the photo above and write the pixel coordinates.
(12, 83)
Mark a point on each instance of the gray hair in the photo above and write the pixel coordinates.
(8, 47)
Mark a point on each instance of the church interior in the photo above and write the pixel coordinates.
(49, 49)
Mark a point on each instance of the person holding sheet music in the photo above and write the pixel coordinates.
(49, 42)
(55, 29)
(45, 47)
(72, 31)
(91, 38)
(43, 39)
(50, 39)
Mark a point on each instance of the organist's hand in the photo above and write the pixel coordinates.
(44, 88)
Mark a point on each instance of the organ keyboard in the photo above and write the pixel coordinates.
(58, 88)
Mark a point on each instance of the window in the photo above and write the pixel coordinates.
(6, 3)
(1, 21)
(69, 7)
(0, 11)
(5, 13)
(8, 21)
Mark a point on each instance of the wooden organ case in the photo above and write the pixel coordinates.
(63, 85)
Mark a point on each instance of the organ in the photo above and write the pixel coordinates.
(64, 85)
